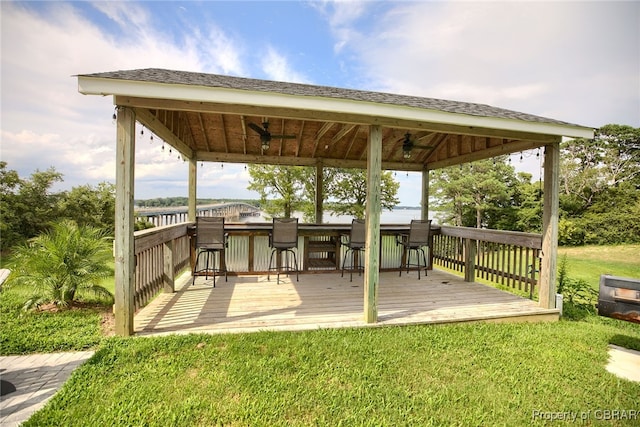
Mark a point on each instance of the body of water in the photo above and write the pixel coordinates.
(396, 216)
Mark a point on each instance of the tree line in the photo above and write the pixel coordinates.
(29, 208)
(599, 191)
(599, 194)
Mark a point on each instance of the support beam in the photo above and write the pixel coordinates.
(193, 189)
(124, 222)
(470, 260)
(319, 192)
(372, 247)
(424, 203)
(547, 290)
(168, 277)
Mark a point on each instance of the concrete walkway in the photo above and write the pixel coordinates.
(36, 378)
(624, 363)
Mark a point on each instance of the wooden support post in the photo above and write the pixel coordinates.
(124, 222)
(470, 260)
(547, 289)
(372, 246)
(319, 192)
(168, 275)
(193, 191)
(424, 204)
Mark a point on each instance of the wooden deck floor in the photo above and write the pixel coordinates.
(251, 303)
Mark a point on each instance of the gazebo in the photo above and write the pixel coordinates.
(216, 118)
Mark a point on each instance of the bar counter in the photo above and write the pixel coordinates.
(319, 246)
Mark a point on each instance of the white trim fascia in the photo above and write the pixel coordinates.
(106, 86)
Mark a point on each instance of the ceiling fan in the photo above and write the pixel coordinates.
(408, 145)
(265, 135)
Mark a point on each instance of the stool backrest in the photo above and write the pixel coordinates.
(209, 230)
(419, 232)
(358, 232)
(285, 232)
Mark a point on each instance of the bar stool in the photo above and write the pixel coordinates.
(210, 239)
(355, 246)
(283, 238)
(417, 239)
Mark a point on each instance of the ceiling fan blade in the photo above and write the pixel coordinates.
(284, 136)
(258, 129)
(423, 147)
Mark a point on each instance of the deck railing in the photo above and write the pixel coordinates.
(161, 253)
(507, 258)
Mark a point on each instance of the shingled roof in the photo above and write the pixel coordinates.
(173, 77)
(213, 117)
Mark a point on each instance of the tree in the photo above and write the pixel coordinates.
(90, 206)
(283, 182)
(309, 180)
(478, 194)
(60, 262)
(596, 175)
(349, 190)
(294, 187)
(27, 206)
(590, 167)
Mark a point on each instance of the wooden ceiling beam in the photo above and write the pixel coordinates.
(224, 134)
(323, 130)
(301, 161)
(204, 132)
(499, 150)
(329, 116)
(342, 133)
(243, 125)
(152, 123)
(351, 142)
(300, 135)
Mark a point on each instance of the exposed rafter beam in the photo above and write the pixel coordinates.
(150, 121)
(300, 134)
(224, 134)
(499, 150)
(330, 116)
(302, 161)
(204, 132)
(353, 140)
(324, 129)
(342, 133)
(243, 124)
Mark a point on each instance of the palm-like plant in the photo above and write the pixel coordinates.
(60, 262)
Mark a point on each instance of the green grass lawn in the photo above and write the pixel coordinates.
(468, 374)
(474, 374)
(589, 262)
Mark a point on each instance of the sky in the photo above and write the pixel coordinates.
(576, 61)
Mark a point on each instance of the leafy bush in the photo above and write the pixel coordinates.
(579, 298)
(59, 263)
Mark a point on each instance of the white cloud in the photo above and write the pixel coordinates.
(46, 122)
(574, 61)
(276, 67)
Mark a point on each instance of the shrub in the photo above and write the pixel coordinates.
(579, 299)
(60, 262)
